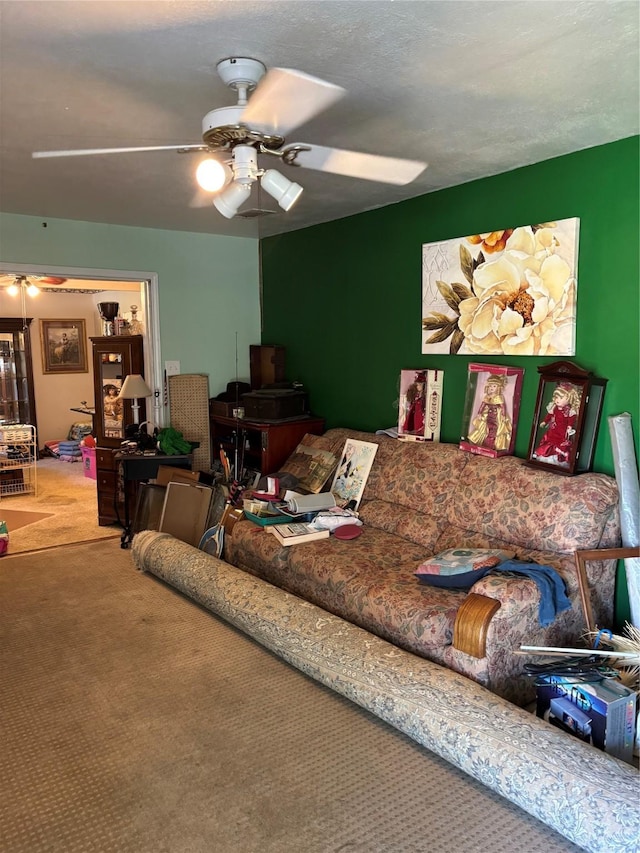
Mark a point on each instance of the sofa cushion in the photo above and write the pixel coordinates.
(510, 501)
(371, 580)
(460, 568)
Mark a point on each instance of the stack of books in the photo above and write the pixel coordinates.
(296, 533)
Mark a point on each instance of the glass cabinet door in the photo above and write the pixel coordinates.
(111, 379)
(17, 404)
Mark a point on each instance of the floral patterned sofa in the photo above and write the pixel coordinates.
(423, 498)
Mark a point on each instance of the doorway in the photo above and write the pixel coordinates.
(75, 277)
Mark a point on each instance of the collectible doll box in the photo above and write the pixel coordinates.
(491, 408)
(420, 408)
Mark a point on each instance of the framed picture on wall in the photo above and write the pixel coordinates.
(64, 346)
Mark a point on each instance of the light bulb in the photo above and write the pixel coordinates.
(13, 290)
(212, 175)
(32, 290)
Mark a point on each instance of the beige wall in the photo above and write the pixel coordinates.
(57, 394)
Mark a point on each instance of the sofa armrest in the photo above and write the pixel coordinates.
(515, 599)
(472, 623)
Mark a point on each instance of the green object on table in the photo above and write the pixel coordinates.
(173, 442)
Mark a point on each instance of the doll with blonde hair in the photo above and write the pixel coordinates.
(492, 425)
(559, 424)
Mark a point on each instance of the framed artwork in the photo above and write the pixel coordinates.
(510, 292)
(566, 420)
(420, 405)
(352, 472)
(491, 408)
(64, 346)
(311, 466)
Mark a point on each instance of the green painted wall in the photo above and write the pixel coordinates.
(344, 298)
(208, 285)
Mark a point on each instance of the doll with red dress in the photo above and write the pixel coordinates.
(413, 423)
(559, 425)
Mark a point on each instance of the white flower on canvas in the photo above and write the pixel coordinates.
(521, 302)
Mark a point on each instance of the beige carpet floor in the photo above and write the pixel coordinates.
(71, 502)
(136, 722)
(16, 518)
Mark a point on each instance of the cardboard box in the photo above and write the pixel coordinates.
(168, 474)
(602, 713)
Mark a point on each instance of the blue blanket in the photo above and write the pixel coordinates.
(553, 596)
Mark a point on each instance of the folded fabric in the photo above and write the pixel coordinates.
(70, 444)
(553, 596)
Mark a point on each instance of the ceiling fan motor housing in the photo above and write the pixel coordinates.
(240, 72)
(222, 127)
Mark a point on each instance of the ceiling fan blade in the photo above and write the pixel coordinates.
(354, 164)
(84, 151)
(286, 99)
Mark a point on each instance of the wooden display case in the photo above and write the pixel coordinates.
(263, 446)
(114, 357)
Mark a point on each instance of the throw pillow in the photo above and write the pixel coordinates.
(460, 568)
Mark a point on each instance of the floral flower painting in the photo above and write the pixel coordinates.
(509, 292)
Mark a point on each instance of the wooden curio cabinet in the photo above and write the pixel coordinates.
(114, 357)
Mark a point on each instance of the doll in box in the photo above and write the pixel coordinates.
(559, 424)
(413, 423)
(492, 425)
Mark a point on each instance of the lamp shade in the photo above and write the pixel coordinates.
(228, 202)
(133, 387)
(285, 192)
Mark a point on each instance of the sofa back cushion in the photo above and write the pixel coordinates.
(505, 499)
(431, 493)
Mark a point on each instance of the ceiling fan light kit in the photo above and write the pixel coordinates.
(284, 191)
(21, 284)
(228, 202)
(284, 99)
(212, 175)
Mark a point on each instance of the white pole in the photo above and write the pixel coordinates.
(626, 468)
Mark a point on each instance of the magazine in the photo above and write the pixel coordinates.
(296, 533)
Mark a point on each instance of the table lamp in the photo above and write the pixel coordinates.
(134, 387)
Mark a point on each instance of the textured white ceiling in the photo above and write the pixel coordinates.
(474, 88)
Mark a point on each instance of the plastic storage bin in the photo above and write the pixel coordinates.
(89, 462)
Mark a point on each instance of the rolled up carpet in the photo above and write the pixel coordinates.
(586, 795)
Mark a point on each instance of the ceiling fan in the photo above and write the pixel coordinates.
(15, 282)
(283, 100)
